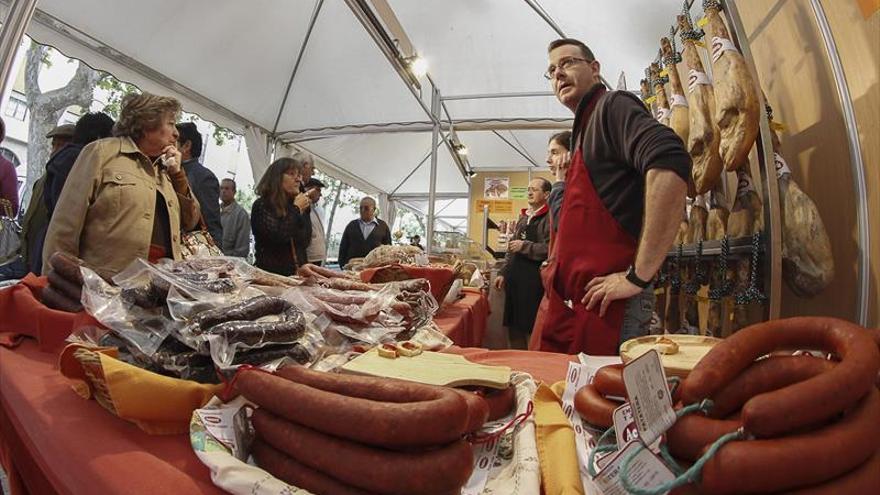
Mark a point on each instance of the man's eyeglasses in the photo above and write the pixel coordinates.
(564, 64)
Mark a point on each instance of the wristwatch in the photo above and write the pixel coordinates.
(634, 279)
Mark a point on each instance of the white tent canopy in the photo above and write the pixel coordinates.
(331, 76)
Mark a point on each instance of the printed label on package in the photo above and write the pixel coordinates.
(649, 396)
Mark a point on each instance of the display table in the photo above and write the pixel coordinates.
(464, 321)
(58, 442)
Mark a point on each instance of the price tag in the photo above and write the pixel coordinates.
(781, 166)
(679, 100)
(650, 99)
(695, 78)
(664, 73)
(744, 183)
(649, 396)
(227, 425)
(663, 114)
(578, 376)
(486, 455)
(646, 470)
(721, 45)
(625, 425)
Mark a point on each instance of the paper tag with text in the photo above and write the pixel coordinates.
(696, 77)
(227, 425)
(579, 375)
(721, 45)
(782, 168)
(649, 396)
(678, 100)
(646, 470)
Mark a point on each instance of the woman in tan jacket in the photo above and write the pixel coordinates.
(126, 196)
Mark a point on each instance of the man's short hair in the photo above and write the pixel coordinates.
(368, 199)
(92, 126)
(546, 186)
(190, 133)
(234, 185)
(585, 50)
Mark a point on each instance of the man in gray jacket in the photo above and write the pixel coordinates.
(236, 223)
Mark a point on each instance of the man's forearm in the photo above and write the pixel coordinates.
(664, 199)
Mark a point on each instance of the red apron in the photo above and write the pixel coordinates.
(589, 243)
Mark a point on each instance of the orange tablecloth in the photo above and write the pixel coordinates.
(464, 321)
(52, 441)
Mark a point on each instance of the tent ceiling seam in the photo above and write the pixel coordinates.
(299, 57)
(342, 174)
(527, 157)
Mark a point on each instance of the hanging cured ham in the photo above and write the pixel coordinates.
(736, 99)
(696, 232)
(716, 229)
(679, 120)
(746, 218)
(807, 261)
(662, 102)
(704, 137)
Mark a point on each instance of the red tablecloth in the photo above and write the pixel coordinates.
(464, 321)
(53, 441)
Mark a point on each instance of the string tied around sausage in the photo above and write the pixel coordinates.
(514, 423)
(229, 385)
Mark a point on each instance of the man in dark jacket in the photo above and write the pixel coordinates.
(364, 234)
(521, 275)
(203, 182)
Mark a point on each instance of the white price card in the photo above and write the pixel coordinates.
(649, 396)
(646, 470)
(228, 425)
(625, 425)
(578, 376)
(485, 456)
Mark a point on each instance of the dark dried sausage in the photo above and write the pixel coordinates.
(253, 333)
(251, 309)
(67, 266)
(56, 300)
(66, 287)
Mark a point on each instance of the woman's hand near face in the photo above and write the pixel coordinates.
(172, 159)
(302, 201)
(561, 163)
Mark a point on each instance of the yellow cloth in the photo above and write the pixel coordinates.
(157, 404)
(557, 450)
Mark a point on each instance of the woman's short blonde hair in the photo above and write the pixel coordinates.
(144, 112)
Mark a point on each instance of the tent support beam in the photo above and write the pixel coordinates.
(550, 22)
(18, 15)
(439, 195)
(527, 157)
(340, 173)
(432, 185)
(414, 170)
(485, 96)
(299, 56)
(464, 125)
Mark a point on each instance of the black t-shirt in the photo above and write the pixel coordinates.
(621, 143)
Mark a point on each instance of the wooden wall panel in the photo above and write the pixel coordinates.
(796, 75)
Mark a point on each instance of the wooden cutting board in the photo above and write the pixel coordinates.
(433, 368)
(691, 348)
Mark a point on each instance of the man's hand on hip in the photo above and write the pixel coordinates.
(607, 289)
(499, 282)
(515, 246)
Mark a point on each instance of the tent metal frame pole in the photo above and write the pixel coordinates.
(527, 157)
(437, 196)
(486, 96)
(550, 22)
(414, 170)
(299, 57)
(856, 162)
(18, 16)
(463, 125)
(432, 185)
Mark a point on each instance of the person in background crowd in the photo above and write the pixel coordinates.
(279, 219)
(558, 158)
(364, 234)
(202, 181)
(60, 136)
(126, 197)
(8, 179)
(308, 165)
(627, 173)
(317, 250)
(90, 127)
(416, 241)
(520, 277)
(236, 223)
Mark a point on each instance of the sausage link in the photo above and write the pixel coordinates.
(299, 475)
(693, 432)
(434, 471)
(808, 402)
(478, 410)
(763, 376)
(770, 465)
(594, 408)
(247, 310)
(67, 266)
(609, 381)
(56, 300)
(66, 287)
(863, 479)
(438, 417)
(253, 333)
(501, 402)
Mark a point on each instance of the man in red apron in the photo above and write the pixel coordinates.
(627, 174)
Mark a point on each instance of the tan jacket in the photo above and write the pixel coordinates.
(106, 210)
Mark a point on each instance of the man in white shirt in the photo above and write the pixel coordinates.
(317, 250)
(236, 222)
